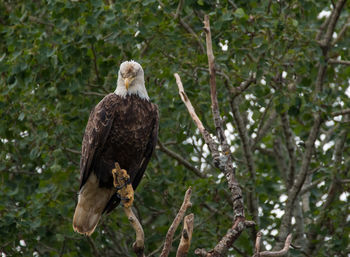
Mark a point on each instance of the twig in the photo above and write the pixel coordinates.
(169, 236)
(139, 244)
(272, 253)
(186, 238)
(335, 61)
(257, 243)
(236, 91)
(342, 31)
(178, 9)
(72, 150)
(181, 160)
(93, 93)
(311, 186)
(185, 26)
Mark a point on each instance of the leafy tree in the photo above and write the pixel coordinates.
(282, 75)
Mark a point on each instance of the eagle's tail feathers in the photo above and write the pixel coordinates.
(91, 203)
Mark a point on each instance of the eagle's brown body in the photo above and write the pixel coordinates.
(120, 129)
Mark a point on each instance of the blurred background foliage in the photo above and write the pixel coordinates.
(59, 58)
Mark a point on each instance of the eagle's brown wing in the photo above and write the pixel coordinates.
(151, 145)
(96, 132)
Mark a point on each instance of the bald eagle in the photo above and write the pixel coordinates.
(122, 128)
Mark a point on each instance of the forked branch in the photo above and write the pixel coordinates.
(169, 236)
(271, 253)
(186, 237)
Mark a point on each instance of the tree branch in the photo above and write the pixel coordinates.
(139, 244)
(186, 237)
(335, 61)
(325, 43)
(169, 236)
(272, 253)
(181, 160)
(290, 147)
(214, 100)
(224, 163)
(342, 31)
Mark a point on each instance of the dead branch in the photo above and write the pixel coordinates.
(139, 244)
(186, 237)
(214, 100)
(207, 138)
(271, 253)
(224, 163)
(169, 236)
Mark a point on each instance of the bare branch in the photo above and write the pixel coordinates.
(257, 243)
(72, 150)
(181, 160)
(139, 244)
(335, 61)
(214, 100)
(169, 236)
(274, 253)
(93, 93)
(186, 238)
(223, 162)
(207, 138)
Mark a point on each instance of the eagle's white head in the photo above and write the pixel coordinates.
(131, 80)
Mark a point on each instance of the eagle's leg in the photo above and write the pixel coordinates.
(121, 181)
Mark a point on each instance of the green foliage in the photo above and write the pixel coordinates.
(58, 59)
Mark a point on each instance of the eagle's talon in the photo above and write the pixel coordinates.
(122, 183)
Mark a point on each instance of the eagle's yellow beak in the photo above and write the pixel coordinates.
(127, 82)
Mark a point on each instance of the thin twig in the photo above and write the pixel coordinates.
(181, 160)
(342, 31)
(93, 93)
(273, 253)
(335, 61)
